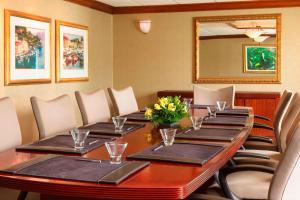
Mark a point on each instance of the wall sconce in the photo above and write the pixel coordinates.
(145, 26)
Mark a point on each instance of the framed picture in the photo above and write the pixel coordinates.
(27, 40)
(71, 52)
(259, 58)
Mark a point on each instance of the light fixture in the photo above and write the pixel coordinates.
(254, 33)
(145, 25)
(261, 38)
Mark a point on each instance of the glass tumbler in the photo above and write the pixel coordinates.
(168, 135)
(115, 150)
(79, 136)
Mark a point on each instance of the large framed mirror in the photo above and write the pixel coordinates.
(237, 49)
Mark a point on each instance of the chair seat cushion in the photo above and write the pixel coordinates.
(275, 157)
(260, 145)
(250, 184)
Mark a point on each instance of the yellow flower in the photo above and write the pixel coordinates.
(171, 107)
(163, 102)
(148, 113)
(157, 107)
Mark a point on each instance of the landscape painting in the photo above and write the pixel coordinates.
(29, 48)
(259, 58)
(27, 40)
(71, 52)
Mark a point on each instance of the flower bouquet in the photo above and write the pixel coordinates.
(166, 112)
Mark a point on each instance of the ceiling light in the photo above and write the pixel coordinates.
(261, 38)
(254, 33)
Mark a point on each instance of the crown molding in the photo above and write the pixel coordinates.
(94, 5)
(255, 4)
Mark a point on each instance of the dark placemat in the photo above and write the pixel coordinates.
(209, 134)
(180, 152)
(137, 116)
(108, 128)
(77, 169)
(227, 120)
(65, 144)
(238, 112)
(198, 106)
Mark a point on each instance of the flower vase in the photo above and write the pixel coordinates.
(168, 125)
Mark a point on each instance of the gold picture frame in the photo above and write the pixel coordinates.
(252, 79)
(27, 54)
(271, 48)
(66, 69)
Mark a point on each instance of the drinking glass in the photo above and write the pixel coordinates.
(168, 135)
(212, 111)
(115, 150)
(79, 136)
(119, 122)
(187, 102)
(221, 105)
(197, 122)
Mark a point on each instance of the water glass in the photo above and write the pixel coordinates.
(221, 105)
(119, 122)
(197, 122)
(115, 150)
(79, 136)
(212, 111)
(187, 102)
(168, 135)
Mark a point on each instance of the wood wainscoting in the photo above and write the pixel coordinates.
(263, 103)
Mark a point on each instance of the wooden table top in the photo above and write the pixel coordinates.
(160, 180)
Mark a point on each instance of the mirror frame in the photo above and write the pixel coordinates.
(226, 79)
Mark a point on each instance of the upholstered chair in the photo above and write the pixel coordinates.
(258, 142)
(10, 133)
(53, 116)
(262, 182)
(205, 96)
(11, 137)
(272, 158)
(124, 101)
(93, 106)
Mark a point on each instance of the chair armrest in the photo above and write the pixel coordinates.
(260, 139)
(223, 173)
(241, 154)
(263, 126)
(262, 117)
(197, 196)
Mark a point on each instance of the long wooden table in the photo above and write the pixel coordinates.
(160, 180)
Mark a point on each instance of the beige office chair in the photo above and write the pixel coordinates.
(261, 182)
(10, 135)
(124, 101)
(53, 116)
(258, 142)
(93, 106)
(205, 96)
(272, 158)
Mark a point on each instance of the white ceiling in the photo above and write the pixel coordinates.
(118, 3)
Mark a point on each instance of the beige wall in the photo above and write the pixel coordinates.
(163, 58)
(224, 57)
(100, 56)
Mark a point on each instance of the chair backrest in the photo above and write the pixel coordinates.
(53, 116)
(10, 133)
(281, 111)
(289, 122)
(123, 100)
(93, 106)
(286, 181)
(205, 96)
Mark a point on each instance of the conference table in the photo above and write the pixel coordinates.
(159, 180)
